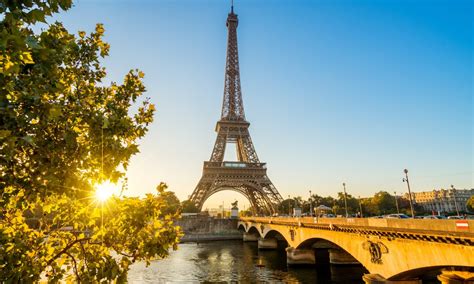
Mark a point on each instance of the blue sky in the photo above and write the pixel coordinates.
(336, 91)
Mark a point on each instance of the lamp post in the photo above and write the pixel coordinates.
(310, 204)
(455, 202)
(396, 202)
(289, 206)
(345, 198)
(409, 192)
(360, 205)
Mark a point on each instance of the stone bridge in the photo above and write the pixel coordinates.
(392, 250)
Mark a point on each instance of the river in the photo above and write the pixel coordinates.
(236, 261)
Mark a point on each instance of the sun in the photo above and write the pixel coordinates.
(105, 190)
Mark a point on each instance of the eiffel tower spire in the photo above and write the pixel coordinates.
(232, 105)
(247, 175)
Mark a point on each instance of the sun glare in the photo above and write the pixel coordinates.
(105, 190)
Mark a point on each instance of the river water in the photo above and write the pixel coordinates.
(236, 261)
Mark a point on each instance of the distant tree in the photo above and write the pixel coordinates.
(285, 206)
(327, 201)
(418, 210)
(384, 202)
(352, 204)
(470, 204)
(171, 200)
(187, 206)
(369, 208)
(298, 201)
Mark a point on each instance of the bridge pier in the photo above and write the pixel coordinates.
(456, 277)
(338, 256)
(299, 256)
(248, 237)
(269, 243)
(377, 279)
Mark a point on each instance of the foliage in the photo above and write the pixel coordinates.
(470, 204)
(385, 202)
(245, 213)
(285, 206)
(172, 202)
(72, 239)
(187, 206)
(62, 129)
(57, 115)
(381, 203)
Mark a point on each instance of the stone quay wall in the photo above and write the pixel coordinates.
(201, 229)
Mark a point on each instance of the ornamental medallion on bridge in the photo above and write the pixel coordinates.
(247, 175)
(376, 249)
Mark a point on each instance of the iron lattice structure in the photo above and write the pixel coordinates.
(247, 175)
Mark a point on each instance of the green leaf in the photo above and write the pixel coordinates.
(4, 134)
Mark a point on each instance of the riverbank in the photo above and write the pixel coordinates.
(203, 229)
(196, 238)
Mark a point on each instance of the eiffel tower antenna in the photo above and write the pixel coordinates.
(232, 6)
(247, 175)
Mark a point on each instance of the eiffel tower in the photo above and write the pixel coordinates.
(248, 175)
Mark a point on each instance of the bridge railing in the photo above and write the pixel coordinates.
(428, 225)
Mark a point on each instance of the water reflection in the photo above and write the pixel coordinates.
(235, 261)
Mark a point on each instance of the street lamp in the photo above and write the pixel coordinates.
(455, 203)
(310, 205)
(360, 205)
(396, 202)
(409, 192)
(289, 206)
(345, 198)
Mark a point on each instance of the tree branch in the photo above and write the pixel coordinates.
(65, 249)
(75, 266)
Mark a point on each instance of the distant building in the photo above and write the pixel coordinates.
(442, 200)
(220, 212)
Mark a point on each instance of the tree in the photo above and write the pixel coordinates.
(62, 130)
(470, 204)
(173, 204)
(352, 203)
(384, 202)
(285, 206)
(369, 207)
(187, 206)
(245, 213)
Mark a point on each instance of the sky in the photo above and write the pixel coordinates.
(335, 90)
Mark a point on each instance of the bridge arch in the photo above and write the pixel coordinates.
(254, 231)
(313, 243)
(275, 235)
